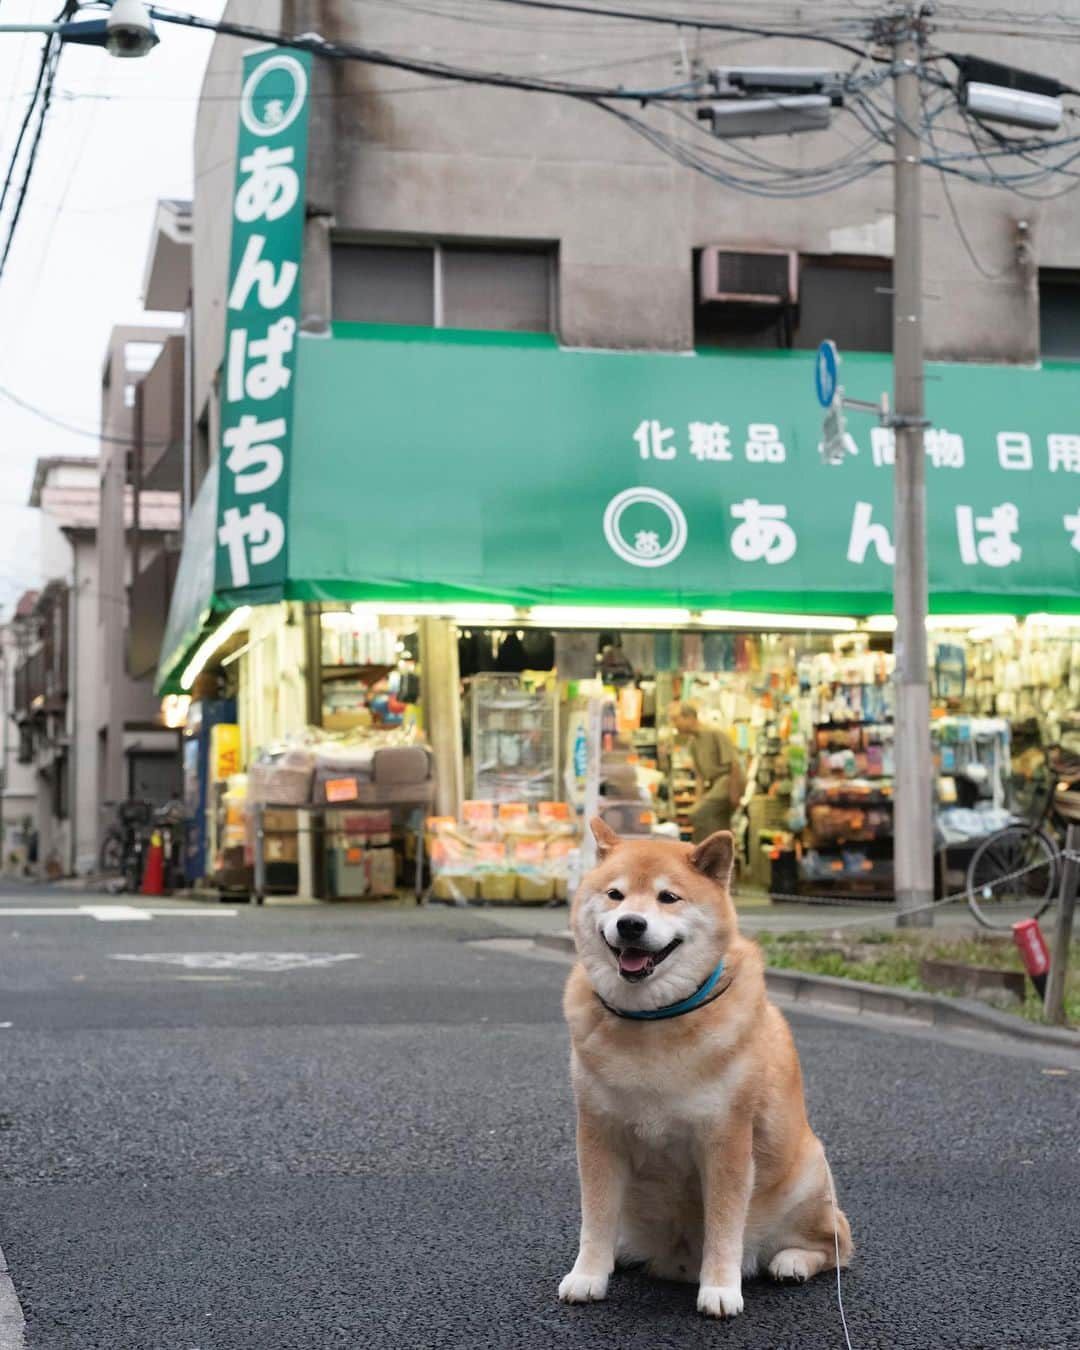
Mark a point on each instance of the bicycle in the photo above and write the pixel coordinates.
(123, 845)
(1015, 872)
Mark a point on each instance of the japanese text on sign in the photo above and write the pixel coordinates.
(262, 320)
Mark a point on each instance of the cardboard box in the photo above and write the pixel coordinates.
(373, 826)
(347, 873)
(275, 818)
(281, 848)
(382, 871)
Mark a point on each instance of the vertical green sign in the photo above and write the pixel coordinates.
(261, 323)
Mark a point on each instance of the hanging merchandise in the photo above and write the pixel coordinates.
(511, 658)
(693, 652)
(640, 650)
(614, 667)
(539, 645)
(575, 655)
(577, 754)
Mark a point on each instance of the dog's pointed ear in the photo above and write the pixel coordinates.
(713, 856)
(605, 836)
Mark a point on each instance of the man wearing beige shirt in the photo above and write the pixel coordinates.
(716, 762)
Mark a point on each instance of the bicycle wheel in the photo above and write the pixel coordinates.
(111, 858)
(1012, 875)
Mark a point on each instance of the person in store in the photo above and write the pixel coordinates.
(716, 762)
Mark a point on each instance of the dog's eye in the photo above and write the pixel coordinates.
(668, 898)
(613, 894)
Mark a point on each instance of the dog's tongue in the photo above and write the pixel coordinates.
(633, 960)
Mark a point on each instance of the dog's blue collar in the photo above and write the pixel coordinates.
(695, 1000)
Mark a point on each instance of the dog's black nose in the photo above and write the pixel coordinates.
(630, 926)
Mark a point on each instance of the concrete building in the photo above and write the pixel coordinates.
(18, 790)
(57, 675)
(399, 162)
(496, 287)
(138, 528)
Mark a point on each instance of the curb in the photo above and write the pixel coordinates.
(909, 1005)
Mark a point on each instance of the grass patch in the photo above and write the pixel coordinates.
(894, 959)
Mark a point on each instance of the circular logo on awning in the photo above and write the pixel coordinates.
(658, 534)
(273, 95)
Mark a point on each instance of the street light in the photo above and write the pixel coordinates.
(127, 32)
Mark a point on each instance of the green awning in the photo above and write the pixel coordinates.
(436, 466)
(191, 609)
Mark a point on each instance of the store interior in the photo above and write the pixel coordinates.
(563, 714)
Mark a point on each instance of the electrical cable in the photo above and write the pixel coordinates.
(348, 51)
(684, 21)
(27, 119)
(35, 411)
(53, 51)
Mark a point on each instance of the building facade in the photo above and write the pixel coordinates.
(495, 357)
(57, 673)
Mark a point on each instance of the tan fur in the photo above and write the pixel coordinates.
(694, 1150)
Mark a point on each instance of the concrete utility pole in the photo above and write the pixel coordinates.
(913, 839)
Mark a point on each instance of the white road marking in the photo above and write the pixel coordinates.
(4, 1025)
(112, 913)
(12, 1322)
(261, 961)
(115, 913)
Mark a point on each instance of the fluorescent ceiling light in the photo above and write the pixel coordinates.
(584, 616)
(997, 622)
(467, 613)
(937, 623)
(229, 628)
(1055, 620)
(803, 623)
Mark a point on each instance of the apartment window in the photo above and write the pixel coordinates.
(768, 298)
(445, 286)
(848, 300)
(1059, 313)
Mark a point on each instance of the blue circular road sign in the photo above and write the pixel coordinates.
(826, 370)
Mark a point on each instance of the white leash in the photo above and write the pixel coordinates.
(836, 1242)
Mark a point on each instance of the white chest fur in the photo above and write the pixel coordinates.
(661, 1104)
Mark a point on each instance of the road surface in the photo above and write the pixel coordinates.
(208, 1142)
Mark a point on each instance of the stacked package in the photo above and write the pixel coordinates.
(514, 851)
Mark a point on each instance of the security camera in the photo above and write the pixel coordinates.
(128, 29)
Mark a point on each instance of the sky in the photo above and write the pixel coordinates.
(119, 137)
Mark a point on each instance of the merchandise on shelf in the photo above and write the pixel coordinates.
(972, 762)
(848, 790)
(503, 852)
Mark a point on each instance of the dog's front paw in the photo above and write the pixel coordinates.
(720, 1300)
(580, 1288)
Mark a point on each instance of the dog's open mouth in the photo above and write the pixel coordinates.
(635, 963)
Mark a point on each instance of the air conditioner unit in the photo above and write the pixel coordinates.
(761, 276)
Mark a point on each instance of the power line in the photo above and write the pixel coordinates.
(336, 49)
(35, 411)
(685, 21)
(53, 52)
(27, 118)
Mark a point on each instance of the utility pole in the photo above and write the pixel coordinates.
(913, 839)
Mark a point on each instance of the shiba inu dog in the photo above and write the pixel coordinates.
(694, 1151)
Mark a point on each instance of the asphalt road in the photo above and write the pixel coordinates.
(378, 1152)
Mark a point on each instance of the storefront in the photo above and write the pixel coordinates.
(532, 490)
(381, 483)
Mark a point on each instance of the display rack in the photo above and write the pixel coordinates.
(514, 738)
(848, 839)
(684, 790)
